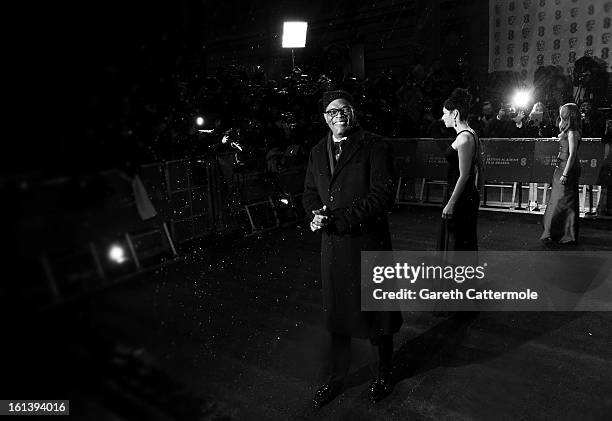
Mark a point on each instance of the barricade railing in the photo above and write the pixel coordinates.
(192, 198)
(200, 196)
(518, 172)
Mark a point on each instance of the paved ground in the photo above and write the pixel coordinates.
(237, 328)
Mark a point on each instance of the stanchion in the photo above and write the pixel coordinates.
(518, 185)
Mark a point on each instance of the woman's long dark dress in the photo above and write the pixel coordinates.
(459, 233)
(562, 210)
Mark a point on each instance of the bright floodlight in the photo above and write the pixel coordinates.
(117, 254)
(521, 99)
(200, 121)
(294, 34)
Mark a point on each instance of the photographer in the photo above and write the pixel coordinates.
(503, 124)
(593, 121)
(536, 124)
(604, 207)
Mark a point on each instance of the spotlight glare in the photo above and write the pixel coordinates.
(284, 201)
(294, 34)
(117, 254)
(200, 121)
(521, 99)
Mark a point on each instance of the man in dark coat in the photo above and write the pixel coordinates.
(348, 191)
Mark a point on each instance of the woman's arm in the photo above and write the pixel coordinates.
(465, 150)
(573, 138)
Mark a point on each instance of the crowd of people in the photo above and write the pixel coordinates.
(274, 123)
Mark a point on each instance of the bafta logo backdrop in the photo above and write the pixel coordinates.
(527, 34)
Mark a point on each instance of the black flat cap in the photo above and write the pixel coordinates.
(330, 96)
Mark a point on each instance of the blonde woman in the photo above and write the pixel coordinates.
(562, 209)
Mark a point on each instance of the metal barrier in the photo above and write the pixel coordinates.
(518, 172)
(193, 198)
(200, 196)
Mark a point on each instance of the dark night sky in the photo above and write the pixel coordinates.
(73, 64)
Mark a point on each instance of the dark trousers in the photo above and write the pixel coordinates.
(341, 355)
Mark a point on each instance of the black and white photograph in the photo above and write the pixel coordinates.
(308, 210)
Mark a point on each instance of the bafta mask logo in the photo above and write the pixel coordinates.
(540, 45)
(556, 30)
(510, 62)
(573, 27)
(540, 60)
(524, 61)
(525, 32)
(526, 4)
(510, 49)
(605, 37)
(556, 58)
(574, 12)
(608, 7)
(511, 20)
(573, 42)
(541, 16)
(590, 25)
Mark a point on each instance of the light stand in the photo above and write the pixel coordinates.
(294, 36)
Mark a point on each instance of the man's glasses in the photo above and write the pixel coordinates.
(333, 112)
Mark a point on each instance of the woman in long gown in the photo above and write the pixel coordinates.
(460, 213)
(562, 209)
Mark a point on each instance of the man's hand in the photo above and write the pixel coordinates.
(320, 220)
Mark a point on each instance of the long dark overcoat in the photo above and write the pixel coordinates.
(359, 192)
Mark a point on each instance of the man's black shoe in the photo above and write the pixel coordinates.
(380, 388)
(326, 393)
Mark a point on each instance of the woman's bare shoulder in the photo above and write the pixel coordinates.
(463, 138)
